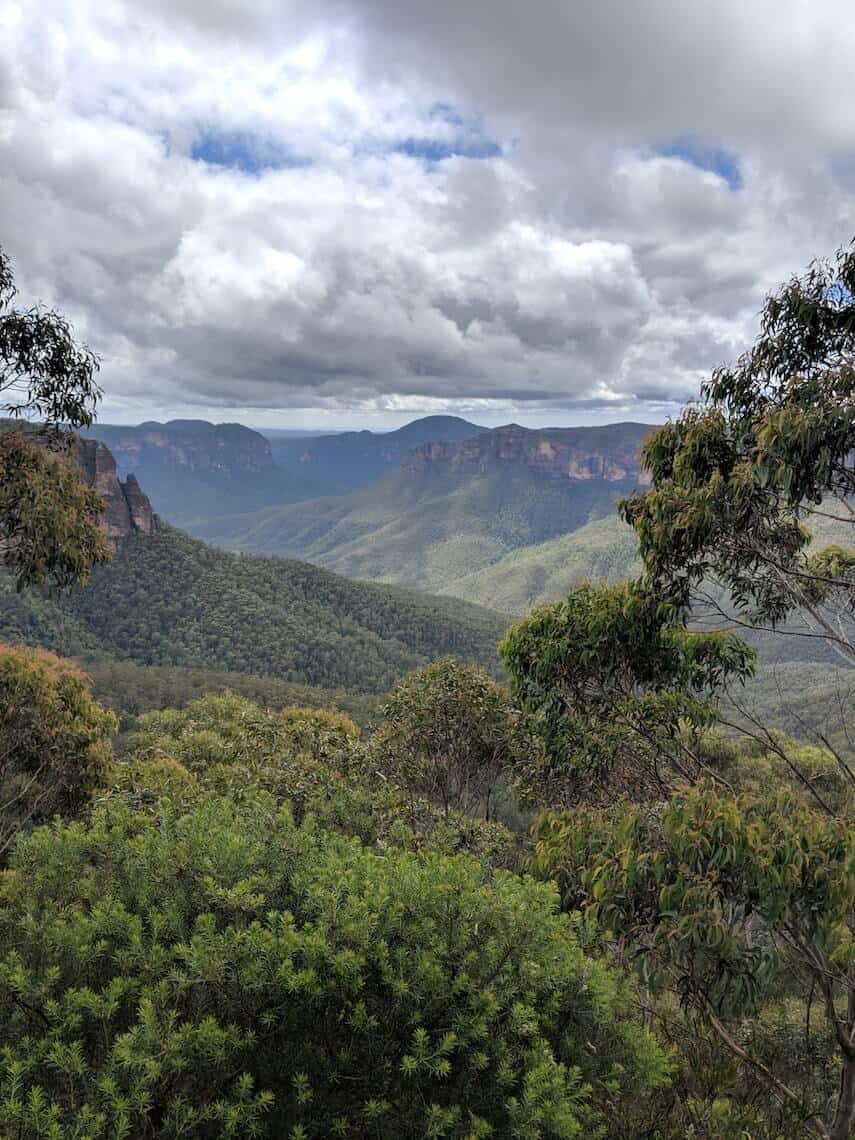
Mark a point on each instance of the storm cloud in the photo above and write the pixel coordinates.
(383, 207)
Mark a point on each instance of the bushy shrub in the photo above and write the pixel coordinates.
(451, 733)
(228, 973)
(54, 740)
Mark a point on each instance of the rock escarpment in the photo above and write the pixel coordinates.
(192, 469)
(610, 453)
(127, 507)
(128, 510)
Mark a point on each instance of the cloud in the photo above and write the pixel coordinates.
(377, 205)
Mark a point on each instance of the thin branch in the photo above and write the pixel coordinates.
(31, 1009)
(777, 630)
(818, 1128)
(842, 764)
(827, 514)
(5, 807)
(768, 741)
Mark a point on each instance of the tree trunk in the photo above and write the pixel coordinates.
(844, 1116)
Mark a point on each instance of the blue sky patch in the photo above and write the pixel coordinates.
(448, 132)
(446, 113)
(838, 294)
(717, 160)
(435, 150)
(241, 150)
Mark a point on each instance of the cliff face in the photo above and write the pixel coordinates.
(192, 469)
(610, 454)
(181, 446)
(128, 509)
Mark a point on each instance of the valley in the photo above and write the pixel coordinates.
(315, 601)
(194, 471)
(449, 510)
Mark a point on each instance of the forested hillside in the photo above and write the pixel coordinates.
(602, 551)
(169, 599)
(130, 689)
(605, 551)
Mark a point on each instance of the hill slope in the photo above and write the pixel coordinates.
(602, 551)
(452, 508)
(168, 599)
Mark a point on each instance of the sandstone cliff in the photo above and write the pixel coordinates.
(610, 453)
(128, 509)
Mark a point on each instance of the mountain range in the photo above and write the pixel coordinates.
(508, 517)
(346, 460)
(451, 509)
(193, 470)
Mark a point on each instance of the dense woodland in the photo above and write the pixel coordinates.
(130, 689)
(169, 599)
(606, 896)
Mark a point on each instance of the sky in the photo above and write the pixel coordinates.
(353, 212)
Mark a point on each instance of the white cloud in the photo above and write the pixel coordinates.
(592, 263)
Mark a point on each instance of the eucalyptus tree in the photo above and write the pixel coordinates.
(48, 517)
(738, 480)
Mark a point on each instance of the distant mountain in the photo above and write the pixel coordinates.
(194, 471)
(187, 446)
(298, 433)
(168, 599)
(449, 509)
(347, 460)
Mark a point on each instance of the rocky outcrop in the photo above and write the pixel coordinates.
(610, 453)
(128, 510)
(143, 518)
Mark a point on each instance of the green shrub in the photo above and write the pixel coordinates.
(54, 740)
(228, 973)
(450, 732)
(312, 759)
